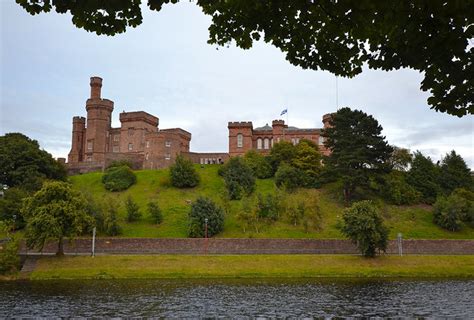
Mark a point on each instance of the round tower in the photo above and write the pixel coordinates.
(77, 145)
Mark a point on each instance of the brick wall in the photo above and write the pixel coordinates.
(250, 246)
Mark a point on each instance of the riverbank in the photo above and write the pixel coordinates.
(250, 266)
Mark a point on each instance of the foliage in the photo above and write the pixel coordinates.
(449, 212)
(423, 176)
(238, 177)
(183, 174)
(397, 191)
(9, 259)
(133, 210)
(308, 161)
(55, 212)
(23, 164)
(288, 177)
(282, 151)
(400, 159)
(201, 209)
(259, 164)
(363, 224)
(247, 216)
(358, 149)
(10, 207)
(111, 226)
(268, 207)
(118, 178)
(454, 173)
(120, 163)
(155, 212)
(337, 36)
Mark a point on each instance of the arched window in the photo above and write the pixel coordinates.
(240, 140)
(259, 143)
(266, 143)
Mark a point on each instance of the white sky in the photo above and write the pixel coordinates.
(166, 68)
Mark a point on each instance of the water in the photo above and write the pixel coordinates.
(238, 298)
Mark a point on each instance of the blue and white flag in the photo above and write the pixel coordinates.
(283, 112)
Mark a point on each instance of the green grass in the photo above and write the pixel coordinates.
(251, 266)
(414, 222)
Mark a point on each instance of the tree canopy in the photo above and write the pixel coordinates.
(430, 36)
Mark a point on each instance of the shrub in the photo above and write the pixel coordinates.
(397, 191)
(111, 226)
(239, 178)
(9, 259)
(155, 212)
(449, 212)
(183, 174)
(201, 209)
(118, 178)
(259, 164)
(288, 177)
(120, 163)
(363, 224)
(268, 207)
(282, 151)
(133, 210)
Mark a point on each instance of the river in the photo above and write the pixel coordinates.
(270, 298)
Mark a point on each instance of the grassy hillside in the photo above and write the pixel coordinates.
(413, 222)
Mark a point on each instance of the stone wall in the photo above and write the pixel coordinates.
(250, 246)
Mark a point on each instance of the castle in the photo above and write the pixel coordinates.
(95, 144)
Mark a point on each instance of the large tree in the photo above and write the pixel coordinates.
(430, 36)
(23, 164)
(55, 212)
(424, 177)
(358, 149)
(454, 173)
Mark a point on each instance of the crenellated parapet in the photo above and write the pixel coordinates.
(240, 124)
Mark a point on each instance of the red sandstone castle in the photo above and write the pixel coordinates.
(95, 144)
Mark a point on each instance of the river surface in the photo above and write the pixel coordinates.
(243, 299)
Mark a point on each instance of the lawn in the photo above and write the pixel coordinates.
(414, 222)
(251, 266)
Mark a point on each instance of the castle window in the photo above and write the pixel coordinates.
(259, 143)
(115, 149)
(148, 144)
(116, 137)
(321, 140)
(266, 143)
(167, 156)
(130, 146)
(168, 144)
(89, 145)
(240, 140)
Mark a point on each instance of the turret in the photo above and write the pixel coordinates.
(278, 130)
(240, 137)
(96, 87)
(78, 132)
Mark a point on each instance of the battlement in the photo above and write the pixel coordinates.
(100, 103)
(139, 116)
(240, 124)
(278, 122)
(79, 119)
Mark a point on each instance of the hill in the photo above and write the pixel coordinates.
(414, 222)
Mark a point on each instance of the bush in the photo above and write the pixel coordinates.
(288, 177)
(201, 209)
(118, 178)
(363, 224)
(155, 212)
(239, 178)
(9, 259)
(397, 191)
(111, 226)
(268, 207)
(120, 163)
(183, 174)
(449, 212)
(133, 210)
(259, 164)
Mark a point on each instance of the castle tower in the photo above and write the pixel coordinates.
(99, 115)
(240, 138)
(77, 145)
(278, 130)
(327, 119)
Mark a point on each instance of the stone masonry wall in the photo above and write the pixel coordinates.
(249, 246)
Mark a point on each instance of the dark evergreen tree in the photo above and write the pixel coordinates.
(133, 210)
(423, 175)
(155, 212)
(238, 177)
(454, 173)
(202, 209)
(358, 149)
(183, 174)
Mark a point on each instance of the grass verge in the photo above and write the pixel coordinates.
(251, 266)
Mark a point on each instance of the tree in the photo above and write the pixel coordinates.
(363, 224)
(396, 190)
(9, 258)
(133, 210)
(282, 151)
(259, 164)
(449, 212)
(308, 160)
(400, 159)
(202, 209)
(454, 173)
(55, 212)
(429, 36)
(358, 149)
(238, 177)
(111, 225)
(10, 207)
(183, 174)
(155, 212)
(118, 178)
(289, 177)
(23, 164)
(423, 176)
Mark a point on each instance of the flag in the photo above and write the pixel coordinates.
(283, 112)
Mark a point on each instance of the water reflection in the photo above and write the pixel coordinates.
(304, 298)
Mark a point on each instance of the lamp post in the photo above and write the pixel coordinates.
(205, 235)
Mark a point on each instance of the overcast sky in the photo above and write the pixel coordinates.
(166, 68)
